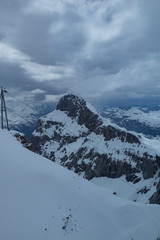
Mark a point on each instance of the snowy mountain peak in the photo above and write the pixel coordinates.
(71, 102)
(75, 136)
(84, 114)
(77, 108)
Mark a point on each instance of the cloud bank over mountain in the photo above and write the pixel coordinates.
(106, 51)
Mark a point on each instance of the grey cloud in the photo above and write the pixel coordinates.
(10, 15)
(127, 60)
(12, 76)
(39, 36)
(39, 97)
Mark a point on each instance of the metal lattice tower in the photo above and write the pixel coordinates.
(3, 108)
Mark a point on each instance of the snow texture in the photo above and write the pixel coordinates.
(42, 200)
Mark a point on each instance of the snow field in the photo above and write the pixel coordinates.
(42, 200)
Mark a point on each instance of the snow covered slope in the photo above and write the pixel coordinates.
(42, 200)
(138, 192)
(141, 120)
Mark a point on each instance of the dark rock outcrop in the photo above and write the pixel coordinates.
(76, 108)
(23, 140)
(77, 137)
(155, 198)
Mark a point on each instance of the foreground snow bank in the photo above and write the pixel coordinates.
(42, 200)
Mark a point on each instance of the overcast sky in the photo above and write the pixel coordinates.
(107, 51)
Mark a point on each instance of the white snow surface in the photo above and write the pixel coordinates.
(67, 124)
(128, 190)
(153, 143)
(91, 108)
(42, 200)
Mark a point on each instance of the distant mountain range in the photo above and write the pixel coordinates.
(23, 118)
(141, 120)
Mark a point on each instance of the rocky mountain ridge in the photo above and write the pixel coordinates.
(77, 137)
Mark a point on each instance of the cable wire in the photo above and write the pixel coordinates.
(20, 101)
(19, 115)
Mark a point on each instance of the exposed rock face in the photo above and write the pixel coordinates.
(156, 196)
(22, 139)
(76, 108)
(77, 137)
